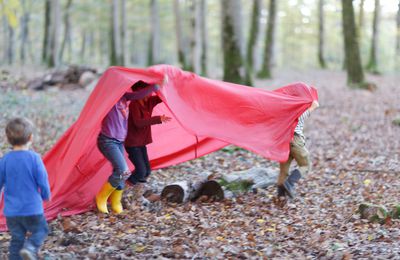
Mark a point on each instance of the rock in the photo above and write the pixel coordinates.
(86, 78)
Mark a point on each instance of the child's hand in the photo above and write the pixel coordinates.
(165, 119)
(314, 105)
(166, 79)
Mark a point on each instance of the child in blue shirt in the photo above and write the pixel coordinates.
(25, 182)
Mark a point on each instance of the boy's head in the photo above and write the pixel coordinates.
(19, 131)
(139, 85)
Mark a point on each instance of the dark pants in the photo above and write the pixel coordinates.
(139, 158)
(113, 150)
(19, 227)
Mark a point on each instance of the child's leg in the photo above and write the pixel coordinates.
(301, 155)
(18, 232)
(146, 160)
(136, 156)
(39, 229)
(113, 150)
(284, 170)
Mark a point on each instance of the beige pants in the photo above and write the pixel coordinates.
(299, 152)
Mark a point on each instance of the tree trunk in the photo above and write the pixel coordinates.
(373, 61)
(254, 32)
(124, 30)
(83, 46)
(234, 67)
(361, 19)
(24, 32)
(398, 31)
(115, 39)
(10, 45)
(53, 57)
(321, 34)
(67, 30)
(179, 36)
(46, 36)
(266, 70)
(154, 46)
(355, 74)
(204, 37)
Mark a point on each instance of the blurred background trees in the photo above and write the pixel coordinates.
(236, 40)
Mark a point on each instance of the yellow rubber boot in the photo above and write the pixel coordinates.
(102, 197)
(115, 199)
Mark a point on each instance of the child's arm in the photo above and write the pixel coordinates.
(42, 179)
(313, 106)
(141, 93)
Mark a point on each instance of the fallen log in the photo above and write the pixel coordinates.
(183, 191)
(72, 77)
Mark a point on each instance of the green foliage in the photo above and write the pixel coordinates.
(374, 213)
(236, 186)
(396, 121)
(9, 9)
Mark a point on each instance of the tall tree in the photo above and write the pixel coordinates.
(355, 74)
(53, 50)
(124, 30)
(321, 34)
(154, 46)
(373, 61)
(266, 70)
(10, 42)
(67, 38)
(361, 18)
(46, 35)
(254, 32)
(234, 67)
(204, 36)
(25, 43)
(115, 39)
(398, 31)
(194, 37)
(180, 41)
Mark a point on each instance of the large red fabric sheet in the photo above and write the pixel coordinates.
(207, 115)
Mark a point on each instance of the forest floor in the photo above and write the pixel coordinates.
(355, 151)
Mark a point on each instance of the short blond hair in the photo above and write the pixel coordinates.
(19, 131)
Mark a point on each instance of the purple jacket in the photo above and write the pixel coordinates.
(115, 124)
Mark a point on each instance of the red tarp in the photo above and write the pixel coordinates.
(207, 115)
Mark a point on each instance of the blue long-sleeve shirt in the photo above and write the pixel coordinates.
(25, 182)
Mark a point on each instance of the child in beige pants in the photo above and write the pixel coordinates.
(299, 152)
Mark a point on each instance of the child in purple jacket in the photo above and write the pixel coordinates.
(111, 144)
(26, 185)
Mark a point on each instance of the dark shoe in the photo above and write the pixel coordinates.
(281, 191)
(290, 183)
(27, 254)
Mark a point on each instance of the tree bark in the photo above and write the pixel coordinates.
(24, 31)
(53, 56)
(67, 31)
(46, 35)
(154, 46)
(193, 37)
(361, 19)
(11, 44)
(321, 34)
(115, 39)
(254, 32)
(398, 31)
(183, 191)
(373, 61)
(355, 74)
(204, 37)
(266, 70)
(124, 30)
(234, 67)
(179, 36)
